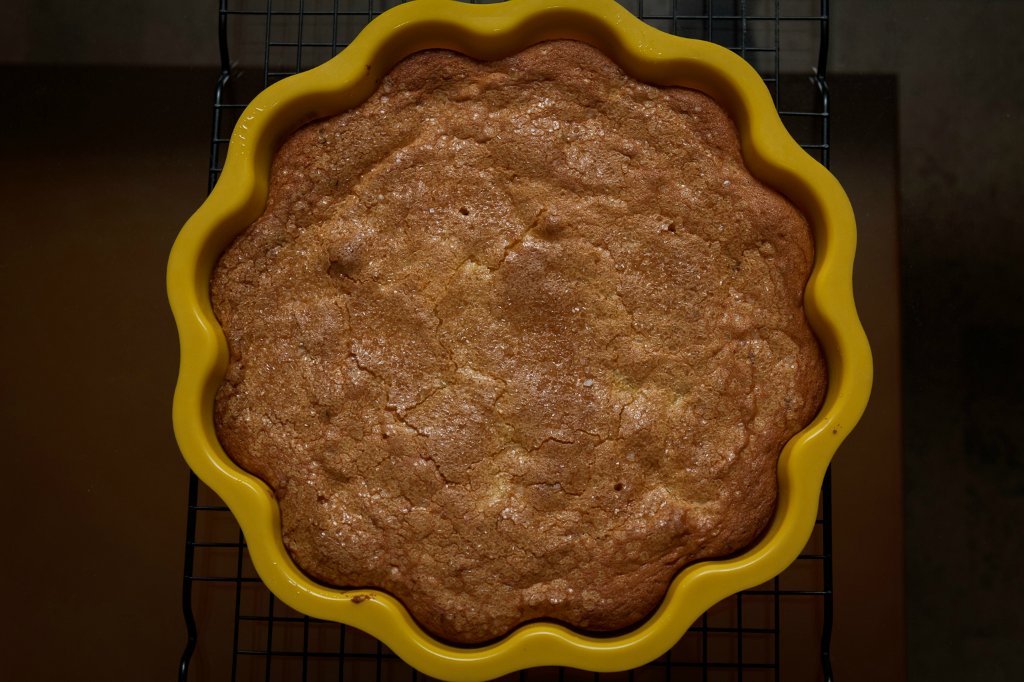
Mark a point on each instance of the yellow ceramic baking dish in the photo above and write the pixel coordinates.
(489, 32)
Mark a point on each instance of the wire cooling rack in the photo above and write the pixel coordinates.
(780, 630)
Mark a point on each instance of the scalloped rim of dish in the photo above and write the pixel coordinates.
(489, 32)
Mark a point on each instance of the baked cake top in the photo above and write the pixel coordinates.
(517, 340)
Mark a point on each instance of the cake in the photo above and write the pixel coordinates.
(517, 340)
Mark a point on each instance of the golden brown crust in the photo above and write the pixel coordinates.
(517, 340)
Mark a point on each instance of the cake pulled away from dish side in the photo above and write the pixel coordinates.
(517, 340)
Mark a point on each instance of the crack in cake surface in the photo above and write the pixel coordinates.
(516, 340)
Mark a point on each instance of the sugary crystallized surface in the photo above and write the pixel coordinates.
(517, 340)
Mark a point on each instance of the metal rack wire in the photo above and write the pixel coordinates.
(778, 630)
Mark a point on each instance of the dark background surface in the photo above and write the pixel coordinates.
(962, 239)
(104, 151)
